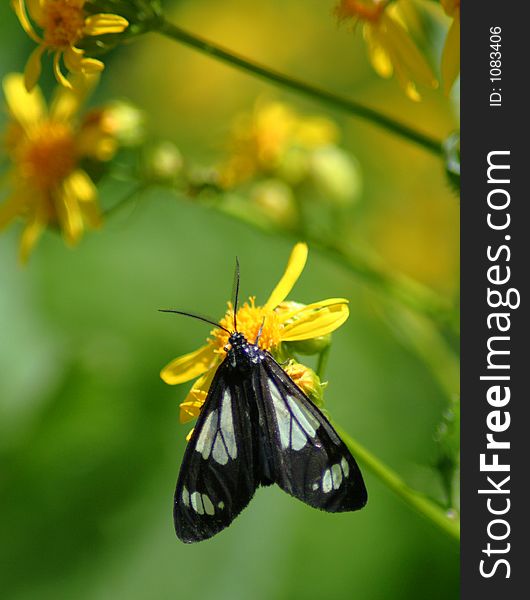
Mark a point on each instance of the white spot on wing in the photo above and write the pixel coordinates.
(306, 420)
(196, 502)
(205, 439)
(315, 486)
(227, 424)
(283, 417)
(294, 423)
(221, 505)
(345, 466)
(208, 506)
(219, 451)
(185, 497)
(336, 476)
(326, 481)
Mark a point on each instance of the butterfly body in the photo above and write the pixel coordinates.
(257, 427)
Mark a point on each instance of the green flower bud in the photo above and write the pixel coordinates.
(310, 347)
(275, 199)
(336, 174)
(161, 162)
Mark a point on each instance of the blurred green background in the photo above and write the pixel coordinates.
(90, 442)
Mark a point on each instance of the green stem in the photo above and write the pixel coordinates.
(323, 362)
(334, 100)
(419, 502)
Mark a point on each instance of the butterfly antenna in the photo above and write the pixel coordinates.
(259, 332)
(235, 292)
(194, 316)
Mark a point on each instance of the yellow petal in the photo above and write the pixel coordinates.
(315, 320)
(188, 366)
(28, 108)
(451, 55)
(69, 215)
(67, 101)
(91, 66)
(33, 68)
(79, 185)
(58, 73)
(378, 55)
(191, 407)
(294, 268)
(31, 235)
(405, 53)
(20, 10)
(101, 24)
(189, 410)
(35, 10)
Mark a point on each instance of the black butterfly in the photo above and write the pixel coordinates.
(255, 428)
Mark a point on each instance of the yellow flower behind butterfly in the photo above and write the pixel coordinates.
(47, 186)
(279, 320)
(451, 53)
(390, 47)
(63, 25)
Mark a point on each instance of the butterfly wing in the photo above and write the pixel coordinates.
(219, 472)
(307, 457)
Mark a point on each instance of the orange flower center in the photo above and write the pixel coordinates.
(48, 155)
(63, 22)
(250, 318)
(360, 10)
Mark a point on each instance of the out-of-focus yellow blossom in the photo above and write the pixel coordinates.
(451, 53)
(390, 47)
(46, 184)
(269, 139)
(276, 200)
(279, 320)
(63, 25)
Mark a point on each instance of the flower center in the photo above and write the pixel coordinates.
(250, 318)
(48, 155)
(361, 10)
(63, 22)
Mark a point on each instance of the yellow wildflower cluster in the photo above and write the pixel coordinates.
(47, 186)
(277, 151)
(63, 24)
(391, 48)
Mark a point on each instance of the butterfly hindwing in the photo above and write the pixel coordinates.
(219, 472)
(308, 458)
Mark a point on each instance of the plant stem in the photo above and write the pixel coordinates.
(323, 362)
(334, 100)
(414, 499)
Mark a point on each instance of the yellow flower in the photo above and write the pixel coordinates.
(45, 148)
(280, 321)
(451, 53)
(267, 140)
(64, 24)
(390, 47)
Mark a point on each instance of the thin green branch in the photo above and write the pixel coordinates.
(419, 502)
(323, 362)
(331, 99)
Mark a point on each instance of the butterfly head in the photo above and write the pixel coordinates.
(241, 353)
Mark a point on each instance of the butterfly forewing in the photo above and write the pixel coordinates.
(308, 458)
(219, 473)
